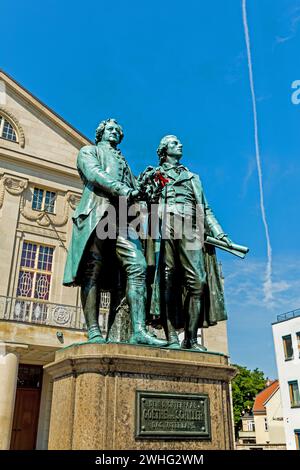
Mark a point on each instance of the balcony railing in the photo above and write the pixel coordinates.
(244, 434)
(47, 313)
(288, 315)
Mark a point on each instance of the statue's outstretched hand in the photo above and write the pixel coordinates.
(225, 238)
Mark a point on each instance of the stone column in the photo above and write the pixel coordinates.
(9, 362)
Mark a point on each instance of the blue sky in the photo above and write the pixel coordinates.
(179, 67)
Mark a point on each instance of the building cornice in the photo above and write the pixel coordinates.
(37, 162)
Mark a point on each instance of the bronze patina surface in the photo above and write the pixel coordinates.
(172, 277)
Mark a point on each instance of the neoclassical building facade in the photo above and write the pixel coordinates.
(39, 189)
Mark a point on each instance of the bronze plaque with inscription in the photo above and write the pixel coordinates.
(172, 415)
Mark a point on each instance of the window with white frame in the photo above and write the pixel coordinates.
(43, 200)
(7, 131)
(34, 283)
(288, 347)
(251, 426)
(294, 394)
(35, 271)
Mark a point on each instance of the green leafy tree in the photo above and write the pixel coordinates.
(245, 386)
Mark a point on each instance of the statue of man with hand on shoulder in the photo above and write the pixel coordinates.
(106, 178)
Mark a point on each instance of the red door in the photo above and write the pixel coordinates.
(25, 421)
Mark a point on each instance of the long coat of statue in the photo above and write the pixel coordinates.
(101, 178)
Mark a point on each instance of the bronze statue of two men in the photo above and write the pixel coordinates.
(162, 264)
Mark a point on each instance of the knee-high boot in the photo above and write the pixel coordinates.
(191, 325)
(169, 310)
(90, 297)
(136, 298)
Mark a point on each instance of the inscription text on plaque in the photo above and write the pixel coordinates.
(172, 415)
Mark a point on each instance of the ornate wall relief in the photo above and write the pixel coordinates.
(73, 199)
(13, 185)
(45, 219)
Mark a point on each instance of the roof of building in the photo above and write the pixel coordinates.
(61, 122)
(262, 398)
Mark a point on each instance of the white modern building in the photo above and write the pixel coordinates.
(286, 333)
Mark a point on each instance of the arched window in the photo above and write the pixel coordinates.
(7, 131)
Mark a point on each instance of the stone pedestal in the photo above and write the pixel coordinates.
(94, 404)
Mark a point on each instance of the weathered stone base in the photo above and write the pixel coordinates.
(94, 395)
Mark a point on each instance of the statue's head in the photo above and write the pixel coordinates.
(170, 146)
(109, 131)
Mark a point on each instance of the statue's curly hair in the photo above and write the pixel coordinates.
(162, 148)
(100, 129)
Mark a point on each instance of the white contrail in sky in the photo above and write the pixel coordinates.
(268, 279)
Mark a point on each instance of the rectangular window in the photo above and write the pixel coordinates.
(298, 342)
(251, 426)
(297, 438)
(266, 424)
(294, 394)
(43, 200)
(49, 201)
(288, 347)
(34, 282)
